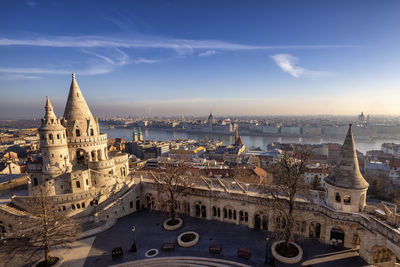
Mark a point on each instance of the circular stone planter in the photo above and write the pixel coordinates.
(192, 242)
(172, 227)
(151, 253)
(285, 259)
(57, 264)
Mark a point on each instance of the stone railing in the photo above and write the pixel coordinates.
(87, 139)
(22, 201)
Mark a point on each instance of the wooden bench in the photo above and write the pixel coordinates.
(168, 246)
(215, 248)
(244, 253)
(116, 252)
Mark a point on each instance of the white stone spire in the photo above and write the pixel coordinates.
(76, 107)
(49, 110)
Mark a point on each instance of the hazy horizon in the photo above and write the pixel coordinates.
(232, 58)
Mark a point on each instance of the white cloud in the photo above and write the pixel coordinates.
(19, 77)
(135, 41)
(145, 60)
(207, 53)
(289, 64)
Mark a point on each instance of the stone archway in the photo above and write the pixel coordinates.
(80, 157)
(337, 237)
(314, 230)
(382, 256)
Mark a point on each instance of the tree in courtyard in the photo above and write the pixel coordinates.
(172, 184)
(45, 228)
(288, 184)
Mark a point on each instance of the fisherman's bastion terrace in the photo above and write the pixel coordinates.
(232, 223)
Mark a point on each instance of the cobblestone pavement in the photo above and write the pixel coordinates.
(150, 234)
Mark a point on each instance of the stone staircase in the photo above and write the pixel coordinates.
(181, 261)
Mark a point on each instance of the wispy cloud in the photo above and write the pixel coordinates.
(289, 64)
(145, 60)
(19, 77)
(135, 41)
(106, 53)
(207, 53)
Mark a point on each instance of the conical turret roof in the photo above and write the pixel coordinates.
(49, 110)
(347, 172)
(76, 107)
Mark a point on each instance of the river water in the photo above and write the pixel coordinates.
(250, 141)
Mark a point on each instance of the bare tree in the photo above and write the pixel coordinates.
(173, 183)
(288, 184)
(46, 227)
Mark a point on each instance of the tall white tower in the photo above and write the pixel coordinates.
(54, 147)
(346, 187)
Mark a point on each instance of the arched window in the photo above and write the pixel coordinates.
(78, 206)
(43, 137)
(77, 132)
(203, 211)
(197, 210)
(338, 198)
(83, 204)
(73, 206)
(58, 136)
(91, 132)
(346, 200)
(214, 211)
(35, 181)
(78, 184)
(51, 136)
(241, 217)
(225, 213)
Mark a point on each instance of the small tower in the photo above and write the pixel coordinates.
(238, 139)
(210, 120)
(140, 135)
(53, 145)
(346, 187)
(134, 135)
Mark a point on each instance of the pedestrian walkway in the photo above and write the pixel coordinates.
(150, 234)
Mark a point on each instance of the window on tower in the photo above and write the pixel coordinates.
(338, 198)
(91, 132)
(78, 133)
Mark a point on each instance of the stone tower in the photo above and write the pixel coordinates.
(54, 148)
(210, 121)
(86, 144)
(346, 187)
(135, 137)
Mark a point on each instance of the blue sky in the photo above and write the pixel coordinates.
(193, 57)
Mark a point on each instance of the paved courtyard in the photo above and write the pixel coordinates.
(150, 234)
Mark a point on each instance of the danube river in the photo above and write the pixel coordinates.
(251, 141)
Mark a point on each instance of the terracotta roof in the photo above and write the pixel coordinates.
(259, 172)
(347, 172)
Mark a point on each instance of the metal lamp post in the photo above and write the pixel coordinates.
(133, 247)
(267, 238)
